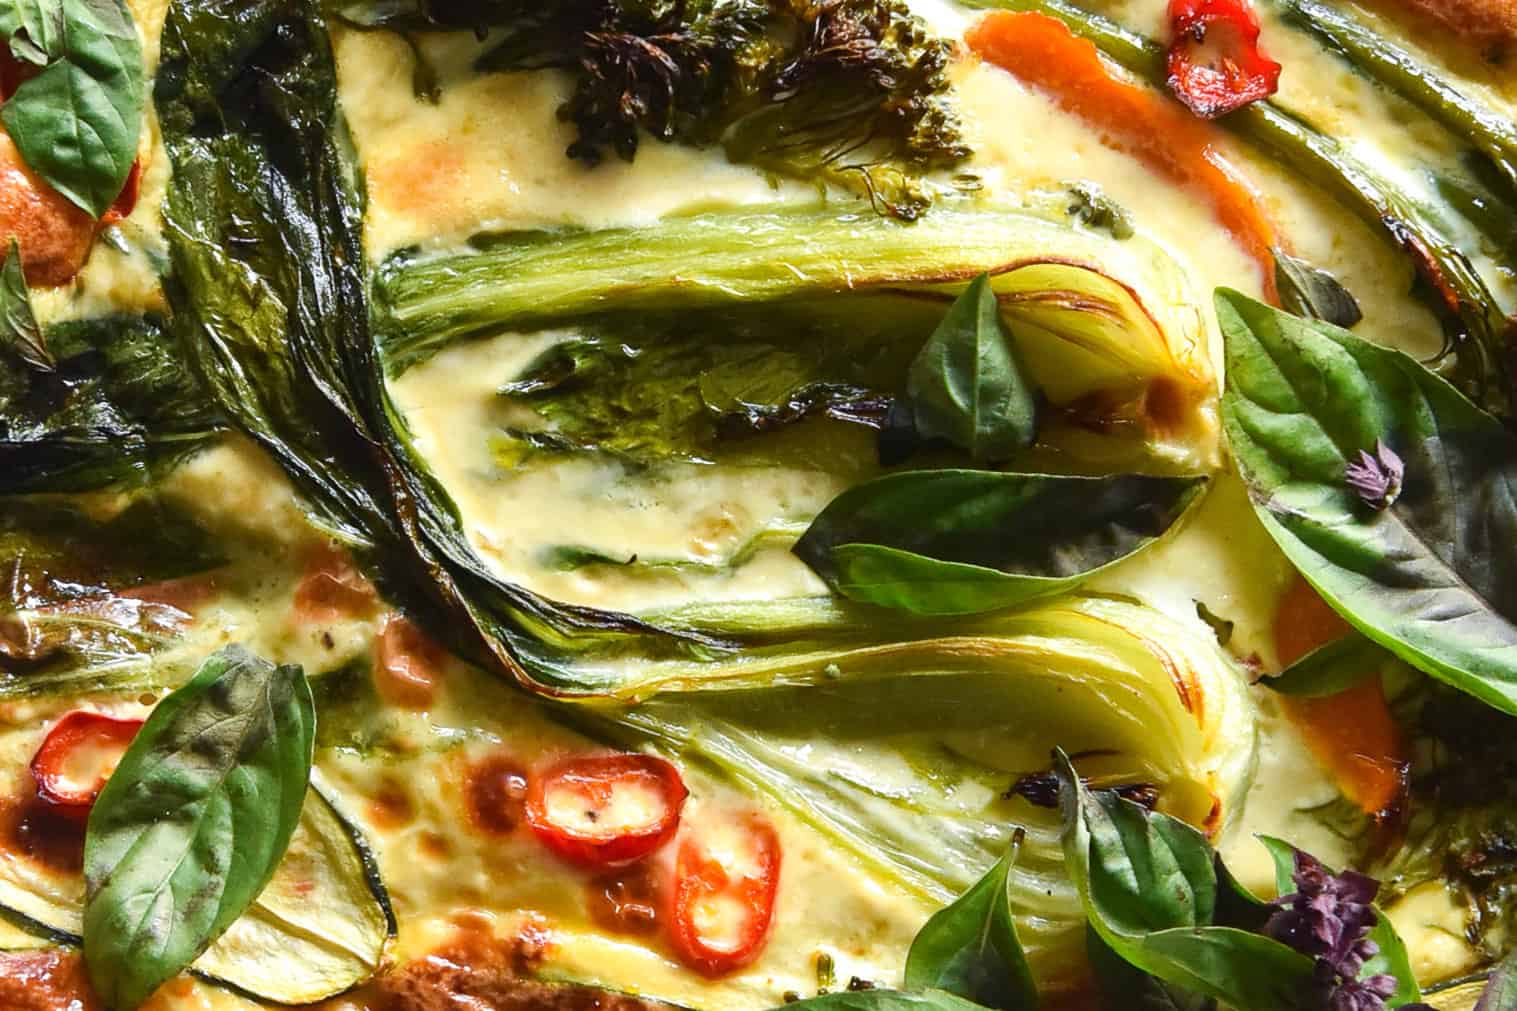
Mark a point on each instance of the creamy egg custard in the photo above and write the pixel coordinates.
(601, 698)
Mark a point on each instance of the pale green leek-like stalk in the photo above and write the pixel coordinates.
(1095, 317)
(901, 753)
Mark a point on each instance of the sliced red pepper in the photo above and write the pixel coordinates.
(724, 890)
(1215, 65)
(77, 756)
(606, 809)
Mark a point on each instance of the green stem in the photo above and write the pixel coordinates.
(1401, 71)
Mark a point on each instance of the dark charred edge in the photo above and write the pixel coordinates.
(361, 846)
(49, 936)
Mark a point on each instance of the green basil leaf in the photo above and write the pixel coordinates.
(1313, 293)
(78, 121)
(1124, 987)
(1431, 578)
(1329, 669)
(966, 386)
(885, 1000)
(970, 947)
(962, 541)
(1149, 888)
(1391, 959)
(1500, 993)
(192, 824)
(18, 324)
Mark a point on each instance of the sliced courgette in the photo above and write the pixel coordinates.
(319, 928)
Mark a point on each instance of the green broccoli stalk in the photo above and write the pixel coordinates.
(853, 92)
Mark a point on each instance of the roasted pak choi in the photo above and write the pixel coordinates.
(779, 582)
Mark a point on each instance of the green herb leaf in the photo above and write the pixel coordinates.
(884, 1000)
(1391, 959)
(119, 399)
(1500, 993)
(1329, 669)
(76, 123)
(1149, 887)
(1313, 293)
(962, 541)
(192, 824)
(1124, 987)
(18, 324)
(1090, 205)
(966, 386)
(970, 948)
(1430, 577)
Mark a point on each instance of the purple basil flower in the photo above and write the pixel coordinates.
(1329, 917)
(1376, 478)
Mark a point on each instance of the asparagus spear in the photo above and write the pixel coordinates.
(1477, 334)
(1399, 70)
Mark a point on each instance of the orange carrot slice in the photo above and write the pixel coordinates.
(1351, 733)
(1136, 120)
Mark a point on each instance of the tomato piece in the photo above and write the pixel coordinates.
(408, 665)
(725, 884)
(332, 589)
(77, 756)
(606, 809)
(1215, 65)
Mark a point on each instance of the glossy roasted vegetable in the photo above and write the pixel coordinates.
(319, 928)
(1478, 334)
(854, 92)
(97, 402)
(905, 753)
(1105, 328)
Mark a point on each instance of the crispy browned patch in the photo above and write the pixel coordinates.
(44, 981)
(1490, 25)
(479, 970)
(55, 236)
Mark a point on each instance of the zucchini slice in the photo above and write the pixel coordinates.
(318, 929)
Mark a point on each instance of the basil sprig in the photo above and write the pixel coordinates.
(193, 822)
(970, 947)
(1430, 576)
(77, 120)
(1149, 884)
(965, 541)
(966, 386)
(1390, 958)
(19, 331)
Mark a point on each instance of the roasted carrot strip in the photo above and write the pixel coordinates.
(1136, 120)
(1351, 734)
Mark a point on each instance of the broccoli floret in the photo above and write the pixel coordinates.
(851, 91)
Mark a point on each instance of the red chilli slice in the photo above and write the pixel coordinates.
(724, 897)
(604, 810)
(1215, 65)
(77, 756)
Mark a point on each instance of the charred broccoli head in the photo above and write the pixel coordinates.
(853, 92)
